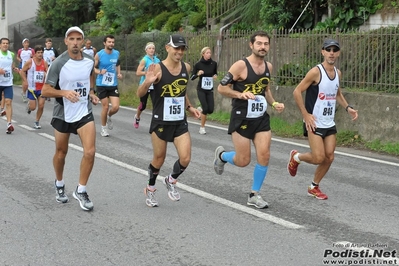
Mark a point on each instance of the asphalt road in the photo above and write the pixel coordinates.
(210, 225)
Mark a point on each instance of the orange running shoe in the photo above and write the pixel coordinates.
(292, 165)
(316, 192)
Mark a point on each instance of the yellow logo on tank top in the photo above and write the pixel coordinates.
(175, 89)
(258, 87)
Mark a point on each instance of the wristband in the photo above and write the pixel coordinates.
(274, 104)
(349, 106)
(188, 107)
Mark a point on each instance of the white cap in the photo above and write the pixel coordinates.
(26, 39)
(74, 29)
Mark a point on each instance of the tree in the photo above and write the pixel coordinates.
(56, 16)
(284, 13)
(120, 15)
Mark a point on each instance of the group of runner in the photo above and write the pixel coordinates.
(71, 81)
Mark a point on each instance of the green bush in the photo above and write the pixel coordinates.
(198, 20)
(161, 19)
(141, 24)
(242, 26)
(291, 74)
(174, 22)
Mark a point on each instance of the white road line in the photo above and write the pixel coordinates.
(27, 127)
(192, 190)
(298, 144)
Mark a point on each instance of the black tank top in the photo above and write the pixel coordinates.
(256, 84)
(169, 97)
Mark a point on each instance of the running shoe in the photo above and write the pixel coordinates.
(172, 191)
(2, 112)
(60, 195)
(36, 125)
(292, 165)
(83, 199)
(202, 131)
(110, 124)
(10, 128)
(257, 201)
(218, 164)
(104, 132)
(28, 109)
(136, 122)
(316, 192)
(24, 99)
(150, 197)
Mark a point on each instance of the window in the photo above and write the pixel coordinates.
(3, 9)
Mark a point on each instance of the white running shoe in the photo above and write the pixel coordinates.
(257, 201)
(218, 164)
(24, 98)
(150, 200)
(104, 132)
(173, 194)
(202, 131)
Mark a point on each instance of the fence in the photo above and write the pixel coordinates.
(368, 60)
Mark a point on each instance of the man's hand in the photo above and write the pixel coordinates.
(150, 75)
(310, 122)
(72, 96)
(195, 112)
(353, 113)
(94, 99)
(279, 107)
(247, 96)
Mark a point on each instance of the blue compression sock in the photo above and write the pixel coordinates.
(228, 156)
(259, 176)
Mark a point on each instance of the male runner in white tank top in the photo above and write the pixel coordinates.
(323, 90)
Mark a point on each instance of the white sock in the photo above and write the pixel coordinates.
(171, 179)
(296, 157)
(81, 188)
(60, 183)
(313, 185)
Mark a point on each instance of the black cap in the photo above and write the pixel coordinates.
(176, 40)
(330, 42)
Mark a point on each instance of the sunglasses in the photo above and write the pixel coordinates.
(181, 48)
(332, 49)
